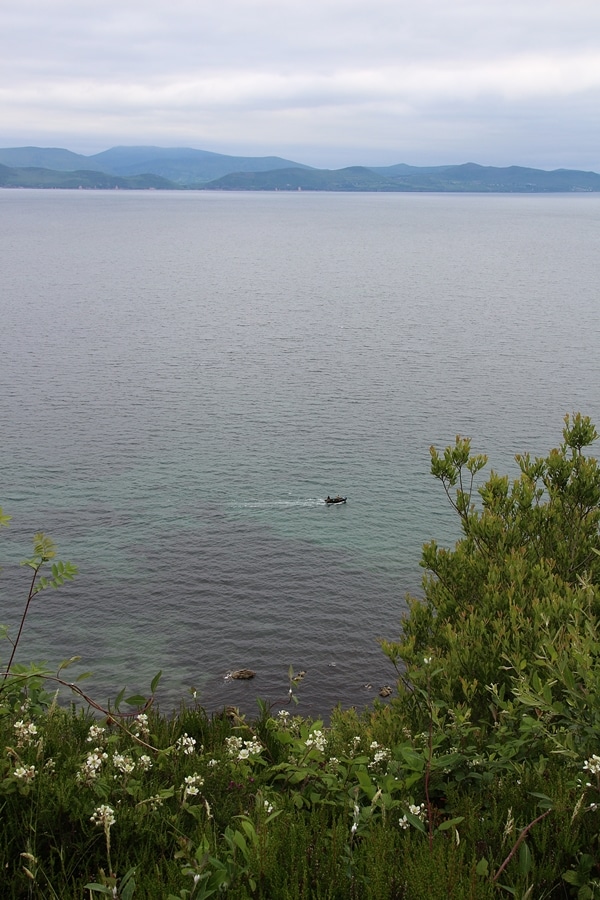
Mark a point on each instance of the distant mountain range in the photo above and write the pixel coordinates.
(181, 168)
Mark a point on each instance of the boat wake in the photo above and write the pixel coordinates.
(276, 504)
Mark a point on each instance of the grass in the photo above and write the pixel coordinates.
(276, 808)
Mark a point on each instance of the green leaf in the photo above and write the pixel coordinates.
(482, 867)
(365, 782)
(450, 823)
(67, 662)
(240, 841)
(546, 802)
(415, 822)
(119, 698)
(414, 760)
(154, 682)
(136, 700)
(83, 676)
(525, 860)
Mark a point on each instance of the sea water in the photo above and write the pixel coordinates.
(186, 375)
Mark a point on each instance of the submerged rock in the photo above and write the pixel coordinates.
(243, 674)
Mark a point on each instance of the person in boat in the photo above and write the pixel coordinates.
(328, 499)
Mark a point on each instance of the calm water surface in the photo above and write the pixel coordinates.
(185, 376)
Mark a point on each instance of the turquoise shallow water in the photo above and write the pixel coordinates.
(186, 376)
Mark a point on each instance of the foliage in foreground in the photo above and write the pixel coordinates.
(481, 779)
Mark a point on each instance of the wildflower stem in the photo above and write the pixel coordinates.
(518, 843)
(110, 714)
(428, 765)
(23, 617)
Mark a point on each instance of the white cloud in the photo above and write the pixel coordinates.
(320, 72)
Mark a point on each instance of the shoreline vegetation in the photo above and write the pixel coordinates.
(156, 168)
(478, 778)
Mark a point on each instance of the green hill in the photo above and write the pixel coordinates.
(513, 179)
(181, 165)
(32, 177)
(353, 178)
(185, 167)
(466, 178)
(45, 158)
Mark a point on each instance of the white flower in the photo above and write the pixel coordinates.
(418, 811)
(192, 785)
(591, 765)
(233, 744)
(153, 802)
(254, 746)
(427, 660)
(103, 815)
(268, 807)
(26, 731)
(380, 757)
(92, 765)
(125, 764)
(354, 745)
(212, 763)
(96, 733)
(404, 823)
(145, 763)
(141, 724)
(244, 753)
(25, 774)
(186, 744)
(317, 739)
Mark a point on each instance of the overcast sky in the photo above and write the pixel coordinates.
(325, 82)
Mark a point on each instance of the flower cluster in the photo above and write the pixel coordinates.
(243, 749)
(192, 785)
(103, 815)
(153, 802)
(141, 725)
(25, 732)
(591, 765)
(354, 745)
(317, 739)
(414, 810)
(250, 748)
(26, 774)
(233, 744)
(124, 764)
(186, 744)
(91, 767)
(95, 734)
(381, 756)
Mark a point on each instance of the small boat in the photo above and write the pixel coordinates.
(337, 499)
